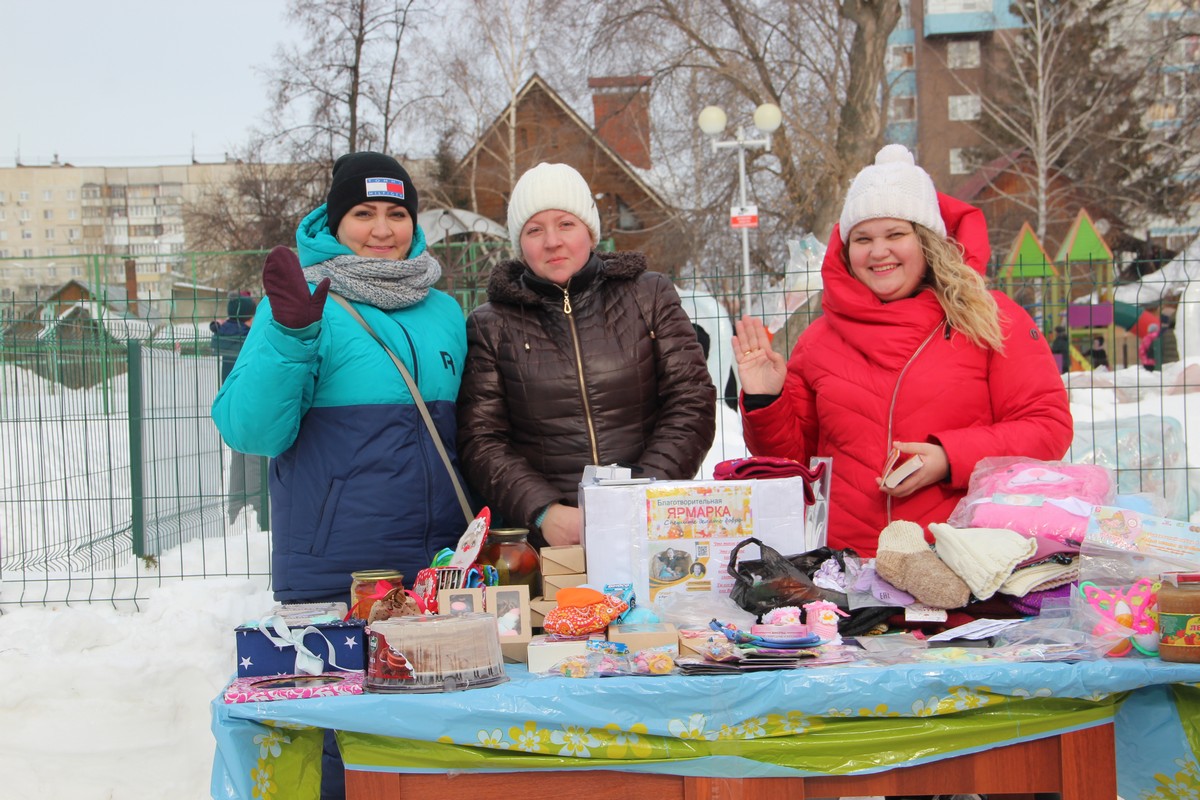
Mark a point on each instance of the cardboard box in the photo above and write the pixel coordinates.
(546, 650)
(552, 583)
(691, 642)
(565, 560)
(515, 652)
(262, 651)
(538, 607)
(645, 635)
(676, 536)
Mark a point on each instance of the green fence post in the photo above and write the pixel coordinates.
(136, 498)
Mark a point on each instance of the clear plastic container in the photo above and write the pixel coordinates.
(434, 654)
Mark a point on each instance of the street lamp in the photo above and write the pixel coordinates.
(712, 121)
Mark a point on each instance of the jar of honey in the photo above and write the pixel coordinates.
(1179, 617)
(368, 586)
(515, 559)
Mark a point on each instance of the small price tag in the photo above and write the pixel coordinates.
(918, 612)
(743, 217)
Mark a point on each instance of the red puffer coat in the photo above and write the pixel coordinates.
(867, 373)
(621, 378)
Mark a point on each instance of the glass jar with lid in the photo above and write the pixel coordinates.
(515, 559)
(368, 586)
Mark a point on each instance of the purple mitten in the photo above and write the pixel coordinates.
(292, 305)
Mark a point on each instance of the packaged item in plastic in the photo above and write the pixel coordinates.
(1034, 498)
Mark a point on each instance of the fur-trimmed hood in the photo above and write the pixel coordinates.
(513, 283)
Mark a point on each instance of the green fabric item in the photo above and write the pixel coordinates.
(876, 739)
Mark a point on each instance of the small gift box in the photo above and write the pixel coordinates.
(293, 687)
(273, 646)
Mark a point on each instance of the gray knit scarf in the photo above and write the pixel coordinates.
(379, 282)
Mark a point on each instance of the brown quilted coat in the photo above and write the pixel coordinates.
(621, 378)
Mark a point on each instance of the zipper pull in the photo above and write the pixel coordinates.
(566, 302)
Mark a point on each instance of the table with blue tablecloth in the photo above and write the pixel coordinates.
(838, 720)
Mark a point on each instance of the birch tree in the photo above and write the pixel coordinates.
(1067, 109)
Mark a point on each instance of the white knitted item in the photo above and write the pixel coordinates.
(983, 557)
(893, 187)
(551, 186)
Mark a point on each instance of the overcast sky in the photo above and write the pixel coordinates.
(132, 82)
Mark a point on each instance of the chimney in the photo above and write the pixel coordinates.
(622, 109)
(131, 298)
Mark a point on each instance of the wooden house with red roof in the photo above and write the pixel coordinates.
(613, 155)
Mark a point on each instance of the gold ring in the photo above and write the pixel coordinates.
(748, 352)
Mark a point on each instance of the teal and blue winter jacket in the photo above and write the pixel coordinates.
(355, 480)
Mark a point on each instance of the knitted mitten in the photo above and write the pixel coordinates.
(905, 561)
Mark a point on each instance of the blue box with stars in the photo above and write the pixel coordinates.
(337, 643)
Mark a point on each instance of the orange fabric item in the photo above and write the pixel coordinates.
(578, 596)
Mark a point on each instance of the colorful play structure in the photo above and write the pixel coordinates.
(1043, 286)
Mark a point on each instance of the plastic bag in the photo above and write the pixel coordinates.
(773, 581)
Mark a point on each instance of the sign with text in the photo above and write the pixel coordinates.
(743, 217)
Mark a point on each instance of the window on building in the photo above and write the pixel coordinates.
(902, 109)
(49, 251)
(3, 197)
(70, 194)
(901, 56)
(960, 164)
(26, 233)
(4, 253)
(627, 219)
(964, 107)
(3, 236)
(72, 214)
(958, 7)
(49, 233)
(47, 195)
(72, 233)
(28, 253)
(52, 271)
(23, 197)
(24, 215)
(47, 213)
(963, 55)
(1175, 84)
(3, 215)
(76, 271)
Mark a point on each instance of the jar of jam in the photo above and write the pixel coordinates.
(1179, 617)
(515, 559)
(368, 586)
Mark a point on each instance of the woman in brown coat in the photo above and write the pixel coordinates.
(577, 358)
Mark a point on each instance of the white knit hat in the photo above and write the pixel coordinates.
(551, 186)
(894, 186)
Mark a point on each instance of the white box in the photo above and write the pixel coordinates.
(676, 536)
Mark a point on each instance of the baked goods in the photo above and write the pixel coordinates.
(434, 654)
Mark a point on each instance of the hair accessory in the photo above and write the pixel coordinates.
(551, 186)
(1135, 608)
(893, 187)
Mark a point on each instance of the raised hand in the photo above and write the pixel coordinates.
(292, 305)
(760, 369)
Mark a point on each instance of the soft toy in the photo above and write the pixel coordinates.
(582, 611)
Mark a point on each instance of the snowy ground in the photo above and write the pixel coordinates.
(113, 705)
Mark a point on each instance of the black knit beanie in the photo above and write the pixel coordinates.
(240, 307)
(364, 178)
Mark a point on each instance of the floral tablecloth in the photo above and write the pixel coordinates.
(833, 720)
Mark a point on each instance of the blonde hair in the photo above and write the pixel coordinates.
(961, 290)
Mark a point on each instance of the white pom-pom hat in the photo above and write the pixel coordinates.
(893, 187)
(551, 186)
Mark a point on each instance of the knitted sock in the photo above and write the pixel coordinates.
(905, 561)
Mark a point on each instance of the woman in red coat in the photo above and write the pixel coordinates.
(912, 352)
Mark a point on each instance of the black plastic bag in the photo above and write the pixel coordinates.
(774, 581)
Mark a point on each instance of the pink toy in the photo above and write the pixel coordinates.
(822, 620)
(1135, 608)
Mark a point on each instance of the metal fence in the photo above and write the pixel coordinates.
(115, 479)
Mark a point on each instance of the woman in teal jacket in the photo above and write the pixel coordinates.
(356, 481)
